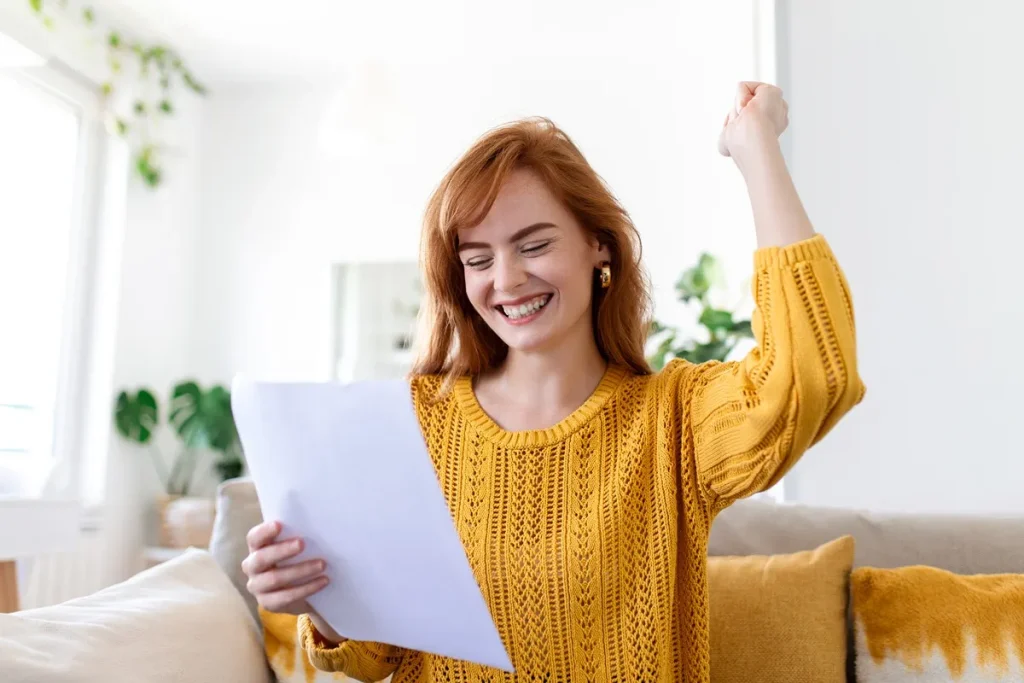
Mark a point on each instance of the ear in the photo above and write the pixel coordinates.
(602, 254)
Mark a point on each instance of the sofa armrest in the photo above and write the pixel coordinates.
(238, 510)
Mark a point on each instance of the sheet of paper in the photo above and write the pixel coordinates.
(345, 466)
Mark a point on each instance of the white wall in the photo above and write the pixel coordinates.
(906, 147)
(155, 315)
(263, 263)
(299, 178)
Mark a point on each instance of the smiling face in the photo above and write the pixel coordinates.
(529, 267)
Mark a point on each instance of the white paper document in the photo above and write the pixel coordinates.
(346, 468)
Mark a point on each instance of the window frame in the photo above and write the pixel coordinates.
(71, 406)
(767, 60)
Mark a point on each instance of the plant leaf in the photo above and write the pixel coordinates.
(136, 415)
(229, 468)
(147, 168)
(664, 352)
(711, 267)
(742, 329)
(192, 83)
(692, 284)
(717, 350)
(152, 177)
(184, 416)
(716, 319)
(689, 355)
(203, 419)
(220, 421)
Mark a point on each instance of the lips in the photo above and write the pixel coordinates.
(524, 308)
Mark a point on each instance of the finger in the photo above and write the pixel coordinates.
(757, 87)
(266, 557)
(262, 534)
(279, 600)
(283, 577)
(744, 93)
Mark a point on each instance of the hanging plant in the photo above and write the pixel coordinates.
(141, 82)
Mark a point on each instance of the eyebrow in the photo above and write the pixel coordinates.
(519, 234)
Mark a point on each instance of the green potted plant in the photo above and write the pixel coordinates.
(202, 421)
(724, 330)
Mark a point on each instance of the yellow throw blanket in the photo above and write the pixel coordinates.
(925, 624)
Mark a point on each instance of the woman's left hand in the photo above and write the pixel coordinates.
(759, 112)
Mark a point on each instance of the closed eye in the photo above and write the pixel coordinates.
(479, 262)
(536, 247)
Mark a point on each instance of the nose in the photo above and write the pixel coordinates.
(509, 274)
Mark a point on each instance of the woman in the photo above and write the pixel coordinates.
(584, 486)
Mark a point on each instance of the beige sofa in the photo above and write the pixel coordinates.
(962, 544)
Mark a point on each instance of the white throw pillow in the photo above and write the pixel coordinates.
(179, 621)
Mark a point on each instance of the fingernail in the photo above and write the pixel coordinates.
(297, 544)
(321, 565)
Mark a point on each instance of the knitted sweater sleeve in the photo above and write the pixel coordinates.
(363, 661)
(752, 419)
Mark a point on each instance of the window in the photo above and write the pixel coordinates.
(48, 136)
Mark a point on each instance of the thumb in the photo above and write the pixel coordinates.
(723, 147)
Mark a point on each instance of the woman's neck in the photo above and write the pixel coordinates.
(537, 389)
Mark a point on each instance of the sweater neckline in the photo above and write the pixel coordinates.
(488, 428)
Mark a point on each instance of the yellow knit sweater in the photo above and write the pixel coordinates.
(589, 539)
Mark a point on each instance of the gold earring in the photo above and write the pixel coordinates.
(606, 275)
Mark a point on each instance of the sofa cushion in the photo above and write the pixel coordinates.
(965, 544)
(179, 621)
(238, 510)
(780, 618)
(919, 624)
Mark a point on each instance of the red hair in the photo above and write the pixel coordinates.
(456, 341)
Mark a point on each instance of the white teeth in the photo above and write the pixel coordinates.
(516, 312)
